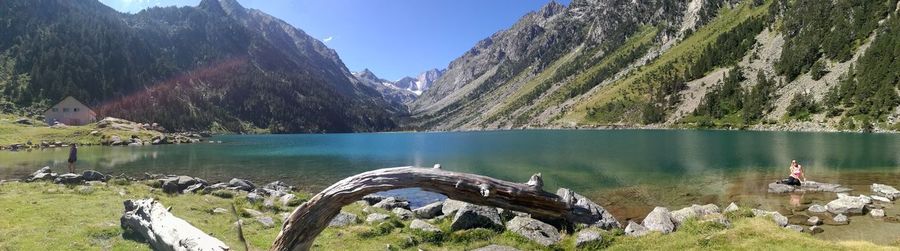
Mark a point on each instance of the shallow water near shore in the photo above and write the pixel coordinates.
(627, 171)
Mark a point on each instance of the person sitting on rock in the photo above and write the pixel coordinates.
(796, 175)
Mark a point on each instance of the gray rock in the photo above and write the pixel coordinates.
(266, 221)
(241, 184)
(193, 188)
(254, 198)
(880, 199)
(390, 203)
(587, 237)
(731, 208)
(45, 169)
(636, 230)
(279, 187)
(776, 216)
(23, 121)
(69, 178)
(877, 213)
(286, 199)
(475, 216)
(797, 228)
(494, 247)
(376, 217)
(220, 210)
(847, 205)
(178, 184)
(816, 230)
(816, 208)
(343, 219)
(589, 213)
(215, 187)
(373, 199)
(814, 221)
(840, 219)
(403, 214)
(424, 226)
(253, 213)
(886, 191)
(694, 211)
(429, 211)
(717, 218)
(534, 230)
(43, 177)
(451, 206)
(659, 220)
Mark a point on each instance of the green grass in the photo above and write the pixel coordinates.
(12, 133)
(628, 88)
(44, 216)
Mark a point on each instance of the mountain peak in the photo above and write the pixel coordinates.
(367, 74)
(552, 8)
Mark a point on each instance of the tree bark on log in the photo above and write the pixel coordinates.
(311, 218)
(163, 230)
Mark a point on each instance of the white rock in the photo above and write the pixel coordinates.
(877, 213)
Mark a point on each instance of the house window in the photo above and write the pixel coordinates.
(55, 109)
(65, 109)
(75, 109)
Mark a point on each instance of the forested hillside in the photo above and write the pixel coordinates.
(767, 64)
(216, 66)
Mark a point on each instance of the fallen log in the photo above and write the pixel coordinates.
(308, 220)
(163, 230)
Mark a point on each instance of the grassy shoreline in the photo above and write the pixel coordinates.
(45, 216)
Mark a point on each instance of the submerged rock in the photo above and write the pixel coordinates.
(659, 220)
(840, 219)
(808, 186)
(534, 230)
(886, 191)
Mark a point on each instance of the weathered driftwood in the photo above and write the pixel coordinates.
(163, 230)
(309, 219)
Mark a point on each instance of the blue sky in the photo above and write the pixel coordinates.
(393, 38)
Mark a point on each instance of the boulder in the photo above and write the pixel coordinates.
(42, 177)
(877, 213)
(286, 199)
(69, 178)
(179, 183)
(797, 228)
(451, 206)
(91, 175)
(776, 216)
(659, 220)
(885, 191)
(840, 219)
(586, 237)
(587, 212)
(880, 199)
(494, 247)
(266, 221)
(376, 217)
(475, 216)
(43, 170)
(731, 208)
(847, 205)
(343, 219)
(424, 226)
(373, 199)
(816, 208)
(241, 184)
(694, 211)
(402, 213)
(534, 230)
(193, 188)
(390, 203)
(429, 211)
(280, 187)
(254, 198)
(814, 221)
(635, 230)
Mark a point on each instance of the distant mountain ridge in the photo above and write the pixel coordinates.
(402, 91)
(217, 66)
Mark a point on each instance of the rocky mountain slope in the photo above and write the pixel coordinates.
(767, 64)
(215, 66)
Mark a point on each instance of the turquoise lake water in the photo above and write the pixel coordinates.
(627, 170)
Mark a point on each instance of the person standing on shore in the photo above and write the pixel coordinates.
(73, 157)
